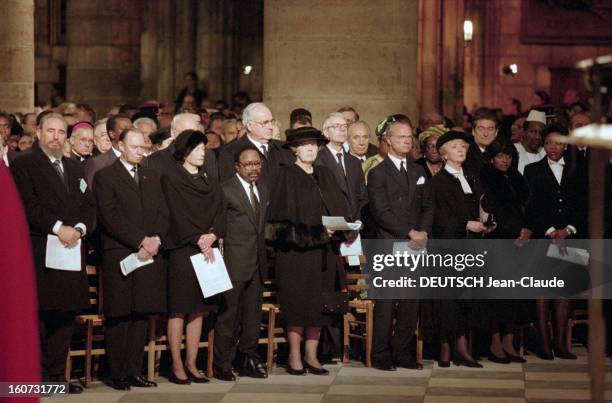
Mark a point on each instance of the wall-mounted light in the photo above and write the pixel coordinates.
(246, 70)
(510, 70)
(468, 31)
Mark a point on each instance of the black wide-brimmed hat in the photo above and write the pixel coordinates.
(302, 134)
(450, 136)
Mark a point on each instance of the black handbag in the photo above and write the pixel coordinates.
(335, 302)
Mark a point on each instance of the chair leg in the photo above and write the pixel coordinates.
(271, 326)
(151, 352)
(568, 335)
(68, 371)
(369, 333)
(522, 341)
(419, 336)
(88, 351)
(210, 356)
(346, 338)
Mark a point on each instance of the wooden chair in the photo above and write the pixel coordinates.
(158, 342)
(93, 325)
(363, 328)
(579, 316)
(274, 333)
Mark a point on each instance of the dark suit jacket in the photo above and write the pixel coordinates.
(551, 204)
(95, 164)
(47, 200)
(277, 157)
(352, 185)
(452, 212)
(474, 159)
(128, 213)
(244, 243)
(163, 161)
(397, 205)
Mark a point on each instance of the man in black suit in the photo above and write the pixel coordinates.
(245, 257)
(162, 160)
(57, 202)
(258, 120)
(346, 168)
(82, 142)
(484, 132)
(135, 220)
(358, 139)
(114, 126)
(402, 208)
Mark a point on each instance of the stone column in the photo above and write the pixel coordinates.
(103, 49)
(17, 54)
(323, 55)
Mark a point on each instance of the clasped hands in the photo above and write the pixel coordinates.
(149, 247)
(418, 239)
(205, 244)
(68, 235)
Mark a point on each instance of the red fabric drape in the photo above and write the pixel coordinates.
(19, 337)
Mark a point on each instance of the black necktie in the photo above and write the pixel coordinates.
(340, 155)
(403, 171)
(136, 176)
(254, 201)
(58, 168)
(264, 150)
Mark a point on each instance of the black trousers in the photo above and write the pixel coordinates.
(56, 329)
(125, 340)
(392, 342)
(239, 321)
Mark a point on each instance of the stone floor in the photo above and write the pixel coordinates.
(537, 381)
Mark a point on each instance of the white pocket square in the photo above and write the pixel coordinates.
(421, 180)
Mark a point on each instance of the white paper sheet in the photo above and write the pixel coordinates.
(213, 277)
(131, 263)
(574, 255)
(340, 224)
(353, 249)
(405, 247)
(60, 257)
(354, 261)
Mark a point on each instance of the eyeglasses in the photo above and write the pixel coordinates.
(402, 138)
(250, 164)
(482, 129)
(339, 126)
(265, 123)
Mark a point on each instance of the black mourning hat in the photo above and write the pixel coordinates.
(302, 134)
(450, 136)
(186, 142)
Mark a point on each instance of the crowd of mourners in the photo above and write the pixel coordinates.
(169, 181)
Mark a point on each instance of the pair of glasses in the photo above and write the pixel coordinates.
(339, 126)
(250, 164)
(265, 123)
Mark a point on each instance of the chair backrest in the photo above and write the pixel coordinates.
(94, 278)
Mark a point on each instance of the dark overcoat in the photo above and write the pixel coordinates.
(128, 213)
(47, 200)
(196, 208)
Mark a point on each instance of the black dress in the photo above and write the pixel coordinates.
(196, 208)
(305, 259)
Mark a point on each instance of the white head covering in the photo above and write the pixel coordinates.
(536, 116)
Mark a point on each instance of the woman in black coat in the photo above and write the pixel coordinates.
(456, 200)
(506, 193)
(305, 260)
(197, 222)
(553, 211)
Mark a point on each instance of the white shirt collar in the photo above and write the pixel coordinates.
(397, 162)
(257, 143)
(465, 185)
(560, 162)
(334, 151)
(127, 166)
(117, 152)
(452, 170)
(247, 186)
